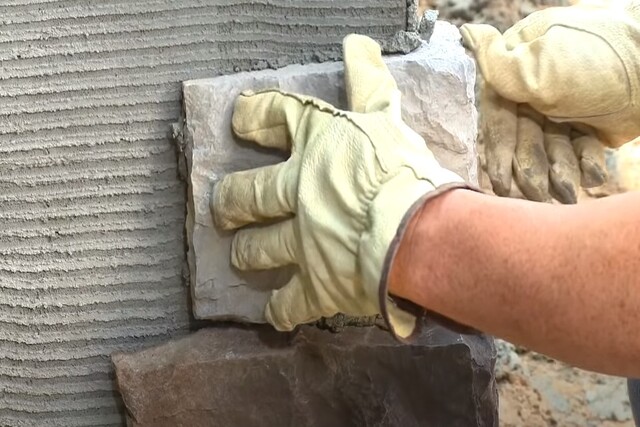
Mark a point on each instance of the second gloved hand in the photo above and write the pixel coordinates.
(574, 65)
(340, 199)
(542, 159)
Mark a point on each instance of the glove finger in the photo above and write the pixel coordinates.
(530, 164)
(499, 130)
(271, 117)
(477, 36)
(590, 152)
(369, 83)
(513, 64)
(254, 195)
(499, 64)
(564, 172)
(264, 248)
(290, 306)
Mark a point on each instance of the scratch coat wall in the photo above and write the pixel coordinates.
(91, 207)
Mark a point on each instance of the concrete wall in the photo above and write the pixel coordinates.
(92, 210)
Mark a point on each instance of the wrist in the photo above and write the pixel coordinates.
(409, 261)
(421, 259)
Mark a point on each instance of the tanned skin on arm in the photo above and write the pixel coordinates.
(561, 280)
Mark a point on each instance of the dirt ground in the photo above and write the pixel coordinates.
(536, 391)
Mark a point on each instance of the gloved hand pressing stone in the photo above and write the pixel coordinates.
(340, 199)
(574, 65)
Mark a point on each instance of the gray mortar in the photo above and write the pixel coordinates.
(341, 321)
(428, 24)
(419, 28)
(402, 42)
(413, 20)
(92, 208)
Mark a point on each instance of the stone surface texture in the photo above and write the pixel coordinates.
(437, 83)
(312, 378)
(93, 210)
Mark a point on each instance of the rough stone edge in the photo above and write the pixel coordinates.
(480, 348)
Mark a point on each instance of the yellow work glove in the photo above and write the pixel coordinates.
(339, 200)
(579, 66)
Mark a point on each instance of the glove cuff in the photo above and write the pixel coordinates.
(404, 318)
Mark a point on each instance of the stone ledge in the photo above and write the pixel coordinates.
(255, 376)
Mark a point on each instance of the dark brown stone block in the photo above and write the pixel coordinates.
(360, 377)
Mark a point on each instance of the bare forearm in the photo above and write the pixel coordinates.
(561, 280)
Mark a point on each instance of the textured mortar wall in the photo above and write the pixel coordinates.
(92, 210)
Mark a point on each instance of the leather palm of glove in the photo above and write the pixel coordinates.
(575, 66)
(341, 198)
